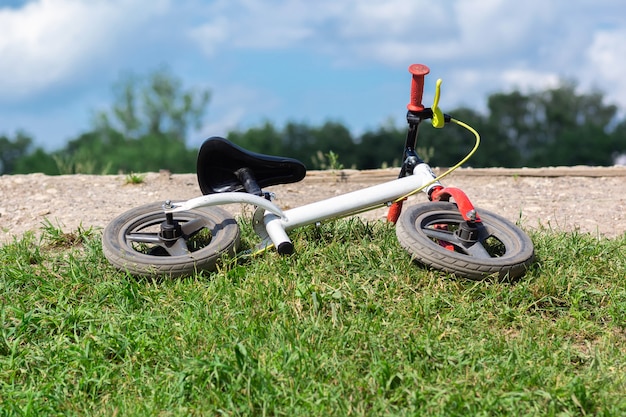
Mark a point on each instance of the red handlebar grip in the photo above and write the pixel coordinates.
(417, 86)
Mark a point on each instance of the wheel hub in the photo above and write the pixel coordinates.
(170, 229)
(467, 232)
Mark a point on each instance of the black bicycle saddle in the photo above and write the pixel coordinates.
(220, 163)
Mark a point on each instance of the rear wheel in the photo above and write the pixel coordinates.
(436, 235)
(143, 242)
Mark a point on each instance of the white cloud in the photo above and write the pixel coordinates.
(392, 19)
(49, 41)
(256, 24)
(210, 36)
(395, 31)
(529, 80)
(499, 27)
(607, 64)
(348, 30)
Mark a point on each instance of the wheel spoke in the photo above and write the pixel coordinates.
(439, 234)
(144, 238)
(194, 226)
(477, 250)
(179, 248)
(486, 231)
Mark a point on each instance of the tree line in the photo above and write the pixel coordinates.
(145, 130)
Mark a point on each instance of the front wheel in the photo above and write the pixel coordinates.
(135, 242)
(436, 235)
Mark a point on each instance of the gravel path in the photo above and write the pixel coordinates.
(592, 200)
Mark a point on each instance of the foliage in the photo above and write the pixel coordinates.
(346, 326)
(37, 160)
(134, 178)
(144, 131)
(154, 106)
(12, 150)
(328, 161)
(148, 153)
(54, 236)
(146, 127)
(300, 141)
(558, 126)
(382, 146)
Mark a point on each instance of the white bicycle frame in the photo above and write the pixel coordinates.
(272, 224)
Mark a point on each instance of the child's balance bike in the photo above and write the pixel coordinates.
(447, 233)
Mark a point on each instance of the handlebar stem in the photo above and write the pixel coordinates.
(416, 117)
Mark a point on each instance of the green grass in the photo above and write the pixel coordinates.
(134, 178)
(347, 326)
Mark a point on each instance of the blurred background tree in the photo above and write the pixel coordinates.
(144, 130)
(157, 105)
(146, 126)
(12, 150)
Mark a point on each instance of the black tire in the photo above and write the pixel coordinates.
(500, 247)
(131, 242)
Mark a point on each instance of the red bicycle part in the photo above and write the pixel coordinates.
(417, 86)
(394, 214)
(394, 211)
(466, 208)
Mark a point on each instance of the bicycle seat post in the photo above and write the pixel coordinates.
(246, 177)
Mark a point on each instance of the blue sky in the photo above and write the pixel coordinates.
(307, 61)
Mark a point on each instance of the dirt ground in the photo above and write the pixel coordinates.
(588, 199)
